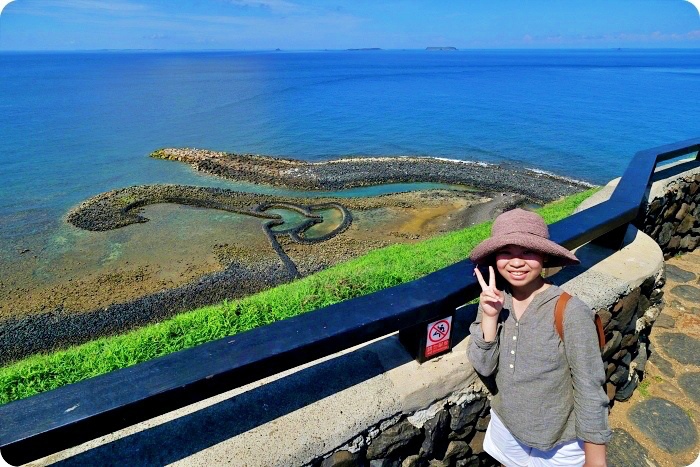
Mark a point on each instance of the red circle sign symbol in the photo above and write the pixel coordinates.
(439, 331)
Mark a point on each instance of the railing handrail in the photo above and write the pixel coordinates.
(55, 420)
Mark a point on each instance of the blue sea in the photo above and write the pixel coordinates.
(73, 125)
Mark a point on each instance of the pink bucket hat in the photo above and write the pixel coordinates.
(526, 229)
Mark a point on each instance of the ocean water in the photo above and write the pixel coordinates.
(75, 125)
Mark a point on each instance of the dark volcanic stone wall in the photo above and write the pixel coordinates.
(452, 436)
(627, 325)
(673, 220)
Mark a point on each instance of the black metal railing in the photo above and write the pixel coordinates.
(49, 422)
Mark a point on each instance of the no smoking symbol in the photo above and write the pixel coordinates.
(439, 331)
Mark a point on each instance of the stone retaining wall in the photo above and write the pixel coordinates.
(672, 217)
(627, 325)
(449, 433)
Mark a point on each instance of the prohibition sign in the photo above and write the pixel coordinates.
(439, 330)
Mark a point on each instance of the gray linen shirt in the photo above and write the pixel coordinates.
(548, 392)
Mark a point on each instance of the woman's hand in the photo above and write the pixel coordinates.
(491, 298)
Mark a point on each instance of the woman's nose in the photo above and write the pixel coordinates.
(517, 262)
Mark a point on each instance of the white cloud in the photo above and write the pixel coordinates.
(123, 7)
(276, 6)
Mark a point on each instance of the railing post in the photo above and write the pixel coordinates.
(428, 339)
(614, 239)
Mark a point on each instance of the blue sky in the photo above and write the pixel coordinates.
(316, 24)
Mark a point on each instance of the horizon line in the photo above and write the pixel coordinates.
(358, 49)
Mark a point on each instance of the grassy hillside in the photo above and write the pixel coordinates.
(377, 270)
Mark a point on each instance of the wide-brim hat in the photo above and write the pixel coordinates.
(526, 229)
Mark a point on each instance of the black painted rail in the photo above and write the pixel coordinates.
(46, 423)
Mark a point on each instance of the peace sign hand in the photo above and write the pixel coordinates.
(491, 298)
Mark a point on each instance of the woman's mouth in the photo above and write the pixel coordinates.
(518, 274)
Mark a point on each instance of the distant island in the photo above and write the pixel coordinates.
(441, 48)
(365, 48)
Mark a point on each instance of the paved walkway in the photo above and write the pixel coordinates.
(658, 426)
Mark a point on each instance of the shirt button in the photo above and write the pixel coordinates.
(517, 324)
(515, 338)
(512, 352)
(511, 365)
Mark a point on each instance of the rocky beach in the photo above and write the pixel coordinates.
(237, 243)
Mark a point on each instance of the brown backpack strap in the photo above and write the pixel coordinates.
(559, 320)
(559, 314)
(601, 331)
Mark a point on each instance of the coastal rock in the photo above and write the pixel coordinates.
(625, 451)
(686, 224)
(436, 430)
(690, 242)
(664, 235)
(681, 347)
(690, 383)
(342, 459)
(664, 366)
(677, 274)
(666, 424)
(664, 321)
(687, 292)
(461, 416)
(456, 450)
(393, 439)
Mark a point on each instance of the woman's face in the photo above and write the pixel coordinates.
(519, 266)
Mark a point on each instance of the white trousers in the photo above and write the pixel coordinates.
(501, 445)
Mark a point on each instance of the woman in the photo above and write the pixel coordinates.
(550, 408)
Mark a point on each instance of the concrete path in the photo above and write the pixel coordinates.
(659, 424)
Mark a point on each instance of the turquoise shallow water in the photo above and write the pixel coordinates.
(74, 125)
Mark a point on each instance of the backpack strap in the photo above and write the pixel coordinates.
(601, 332)
(559, 309)
(559, 314)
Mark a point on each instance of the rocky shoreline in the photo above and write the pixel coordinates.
(340, 174)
